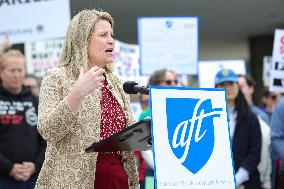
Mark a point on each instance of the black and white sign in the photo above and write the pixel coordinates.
(277, 73)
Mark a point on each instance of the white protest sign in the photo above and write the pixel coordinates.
(277, 73)
(191, 140)
(209, 68)
(266, 70)
(168, 42)
(126, 62)
(33, 20)
(42, 56)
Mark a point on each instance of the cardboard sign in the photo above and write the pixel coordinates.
(126, 62)
(191, 140)
(42, 55)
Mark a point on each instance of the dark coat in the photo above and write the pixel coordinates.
(247, 147)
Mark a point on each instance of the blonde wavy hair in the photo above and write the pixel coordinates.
(74, 55)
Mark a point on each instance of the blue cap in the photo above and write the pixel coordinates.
(226, 75)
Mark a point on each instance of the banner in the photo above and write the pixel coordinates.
(42, 55)
(126, 57)
(168, 42)
(24, 21)
(277, 73)
(191, 140)
(207, 78)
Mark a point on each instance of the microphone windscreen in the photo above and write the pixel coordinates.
(128, 87)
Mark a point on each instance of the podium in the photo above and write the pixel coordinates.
(136, 137)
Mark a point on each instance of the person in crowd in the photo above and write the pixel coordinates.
(33, 82)
(179, 82)
(247, 85)
(163, 77)
(269, 101)
(244, 131)
(81, 102)
(277, 136)
(145, 106)
(21, 147)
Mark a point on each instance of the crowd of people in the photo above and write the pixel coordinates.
(46, 126)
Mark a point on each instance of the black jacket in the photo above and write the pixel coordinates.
(247, 147)
(19, 138)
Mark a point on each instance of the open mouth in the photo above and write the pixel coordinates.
(110, 50)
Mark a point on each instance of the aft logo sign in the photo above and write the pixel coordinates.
(191, 130)
(190, 139)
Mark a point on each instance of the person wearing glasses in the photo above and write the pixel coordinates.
(163, 77)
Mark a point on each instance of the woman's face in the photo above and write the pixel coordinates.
(101, 44)
(232, 89)
(169, 79)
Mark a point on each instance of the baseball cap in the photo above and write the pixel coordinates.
(226, 75)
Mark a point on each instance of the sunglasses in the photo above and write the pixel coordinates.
(147, 101)
(171, 82)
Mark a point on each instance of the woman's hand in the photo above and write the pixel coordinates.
(87, 82)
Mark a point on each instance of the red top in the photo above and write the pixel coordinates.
(112, 117)
(109, 171)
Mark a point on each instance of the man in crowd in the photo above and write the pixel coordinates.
(277, 136)
(33, 83)
(21, 147)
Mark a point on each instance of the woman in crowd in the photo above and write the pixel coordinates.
(244, 131)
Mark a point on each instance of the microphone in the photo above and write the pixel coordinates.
(131, 87)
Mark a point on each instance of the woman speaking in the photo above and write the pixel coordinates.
(81, 102)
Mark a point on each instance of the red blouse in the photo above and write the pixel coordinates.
(110, 173)
(112, 117)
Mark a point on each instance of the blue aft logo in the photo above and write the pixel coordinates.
(191, 130)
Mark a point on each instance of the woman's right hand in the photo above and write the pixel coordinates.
(87, 82)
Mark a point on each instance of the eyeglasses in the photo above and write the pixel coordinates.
(170, 82)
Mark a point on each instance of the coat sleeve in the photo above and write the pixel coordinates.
(5, 165)
(252, 158)
(41, 153)
(55, 118)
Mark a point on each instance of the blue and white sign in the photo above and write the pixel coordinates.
(168, 42)
(191, 140)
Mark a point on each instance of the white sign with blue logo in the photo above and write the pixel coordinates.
(191, 141)
(168, 42)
